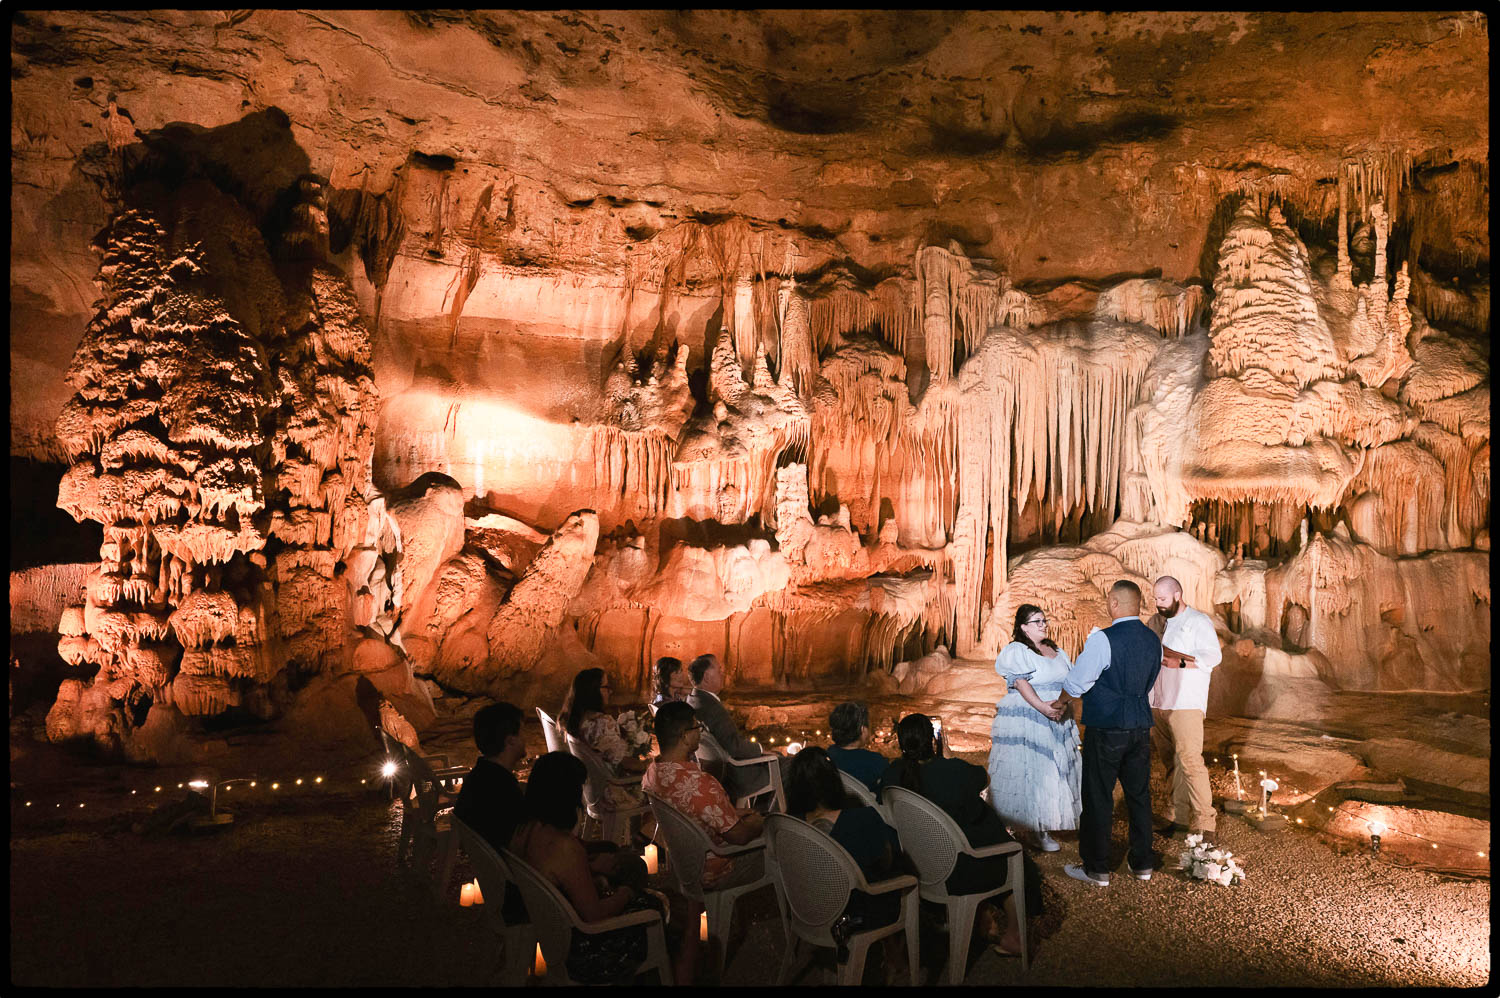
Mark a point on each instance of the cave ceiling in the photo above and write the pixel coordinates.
(1049, 146)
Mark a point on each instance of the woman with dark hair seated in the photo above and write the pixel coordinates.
(669, 681)
(955, 786)
(583, 716)
(554, 798)
(815, 794)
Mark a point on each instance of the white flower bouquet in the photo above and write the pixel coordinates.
(1206, 863)
(635, 728)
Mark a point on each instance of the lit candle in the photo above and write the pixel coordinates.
(539, 967)
(703, 927)
(478, 894)
(1239, 792)
(651, 861)
(466, 895)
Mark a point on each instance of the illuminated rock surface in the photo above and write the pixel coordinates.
(455, 351)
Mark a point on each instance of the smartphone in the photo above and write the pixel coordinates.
(937, 728)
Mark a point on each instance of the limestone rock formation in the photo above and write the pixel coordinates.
(817, 340)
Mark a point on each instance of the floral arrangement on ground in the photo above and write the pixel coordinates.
(1203, 861)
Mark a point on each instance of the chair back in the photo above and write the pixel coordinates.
(855, 788)
(551, 913)
(710, 751)
(928, 834)
(596, 790)
(815, 872)
(687, 843)
(550, 732)
(492, 872)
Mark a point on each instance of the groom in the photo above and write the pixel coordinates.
(1113, 676)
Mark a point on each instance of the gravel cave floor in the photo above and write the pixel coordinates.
(303, 890)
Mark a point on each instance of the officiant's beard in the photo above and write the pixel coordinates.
(1170, 610)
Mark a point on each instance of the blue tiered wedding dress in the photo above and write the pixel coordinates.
(1035, 767)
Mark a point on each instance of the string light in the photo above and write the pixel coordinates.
(276, 786)
(320, 780)
(299, 781)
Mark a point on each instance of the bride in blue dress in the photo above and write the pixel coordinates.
(1035, 768)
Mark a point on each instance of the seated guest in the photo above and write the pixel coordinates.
(490, 801)
(669, 681)
(674, 776)
(554, 797)
(815, 794)
(849, 724)
(955, 786)
(583, 716)
(708, 684)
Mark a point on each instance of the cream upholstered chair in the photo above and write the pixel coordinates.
(517, 941)
(689, 846)
(815, 875)
(555, 920)
(614, 821)
(934, 841)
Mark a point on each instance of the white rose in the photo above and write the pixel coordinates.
(1212, 871)
(1193, 840)
(1217, 855)
(1185, 860)
(1226, 878)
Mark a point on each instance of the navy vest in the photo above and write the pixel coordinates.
(1119, 698)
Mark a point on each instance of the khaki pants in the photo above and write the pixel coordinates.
(1178, 737)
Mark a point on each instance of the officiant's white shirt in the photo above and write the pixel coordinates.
(1192, 633)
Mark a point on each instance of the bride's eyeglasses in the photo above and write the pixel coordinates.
(1039, 621)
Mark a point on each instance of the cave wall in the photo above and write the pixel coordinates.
(484, 346)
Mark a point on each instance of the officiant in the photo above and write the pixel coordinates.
(1179, 699)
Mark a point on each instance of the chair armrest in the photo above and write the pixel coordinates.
(901, 883)
(754, 760)
(998, 849)
(644, 917)
(449, 772)
(729, 849)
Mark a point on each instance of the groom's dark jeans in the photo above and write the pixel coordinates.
(1111, 754)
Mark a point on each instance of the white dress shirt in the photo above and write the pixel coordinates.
(1192, 633)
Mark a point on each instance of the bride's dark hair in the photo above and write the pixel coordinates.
(1024, 613)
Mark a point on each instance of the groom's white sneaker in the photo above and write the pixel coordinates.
(1079, 873)
(1139, 874)
(1048, 843)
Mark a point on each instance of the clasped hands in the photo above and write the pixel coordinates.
(1057, 709)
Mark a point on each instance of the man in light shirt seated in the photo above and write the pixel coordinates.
(1190, 650)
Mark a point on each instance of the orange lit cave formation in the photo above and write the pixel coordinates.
(457, 368)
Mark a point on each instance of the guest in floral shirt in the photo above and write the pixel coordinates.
(675, 777)
(583, 716)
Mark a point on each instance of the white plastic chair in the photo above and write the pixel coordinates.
(555, 919)
(551, 732)
(855, 788)
(934, 841)
(517, 941)
(614, 821)
(711, 755)
(426, 812)
(689, 846)
(814, 875)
